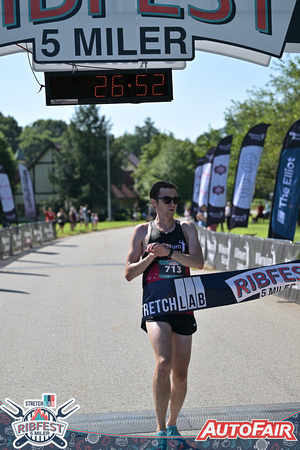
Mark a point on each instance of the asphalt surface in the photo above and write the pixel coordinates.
(70, 325)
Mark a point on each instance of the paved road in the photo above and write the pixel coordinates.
(70, 324)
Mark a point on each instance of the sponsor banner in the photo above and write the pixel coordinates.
(7, 200)
(256, 429)
(48, 231)
(196, 186)
(286, 199)
(217, 192)
(264, 281)
(22, 237)
(42, 424)
(245, 177)
(197, 292)
(37, 233)
(26, 231)
(225, 251)
(39, 423)
(16, 240)
(5, 244)
(205, 177)
(28, 193)
(141, 30)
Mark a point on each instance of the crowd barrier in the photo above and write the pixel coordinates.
(17, 239)
(226, 251)
(222, 251)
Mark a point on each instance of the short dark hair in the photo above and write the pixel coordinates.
(154, 192)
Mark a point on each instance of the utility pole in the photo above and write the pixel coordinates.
(108, 178)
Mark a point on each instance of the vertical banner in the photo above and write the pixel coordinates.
(7, 201)
(286, 199)
(196, 186)
(28, 194)
(205, 177)
(218, 182)
(245, 177)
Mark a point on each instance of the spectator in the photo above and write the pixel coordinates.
(49, 215)
(81, 216)
(187, 213)
(212, 227)
(61, 219)
(86, 215)
(72, 218)
(228, 214)
(94, 219)
(260, 213)
(201, 216)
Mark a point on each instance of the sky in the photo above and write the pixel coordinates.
(202, 93)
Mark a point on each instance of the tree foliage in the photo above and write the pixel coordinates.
(37, 136)
(167, 158)
(8, 161)
(133, 143)
(278, 104)
(11, 130)
(80, 174)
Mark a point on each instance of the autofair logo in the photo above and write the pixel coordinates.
(256, 429)
(40, 424)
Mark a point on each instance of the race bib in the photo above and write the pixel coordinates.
(168, 268)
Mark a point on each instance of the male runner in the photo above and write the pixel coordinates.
(164, 243)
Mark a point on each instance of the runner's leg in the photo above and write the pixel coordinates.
(182, 346)
(160, 335)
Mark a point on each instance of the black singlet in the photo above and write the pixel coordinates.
(165, 267)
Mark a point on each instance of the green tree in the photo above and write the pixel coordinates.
(8, 161)
(80, 174)
(37, 136)
(54, 128)
(209, 139)
(133, 143)
(11, 130)
(167, 158)
(277, 104)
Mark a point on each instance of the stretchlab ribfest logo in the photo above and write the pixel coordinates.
(39, 423)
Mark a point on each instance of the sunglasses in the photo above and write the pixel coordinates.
(166, 199)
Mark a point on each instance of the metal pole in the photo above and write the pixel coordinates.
(108, 178)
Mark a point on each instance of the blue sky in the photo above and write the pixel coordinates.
(202, 92)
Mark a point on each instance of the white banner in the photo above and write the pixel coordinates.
(28, 194)
(247, 167)
(217, 193)
(142, 30)
(264, 280)
(205, 177)
(7, 200)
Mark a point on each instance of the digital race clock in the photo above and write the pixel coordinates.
(123, 86)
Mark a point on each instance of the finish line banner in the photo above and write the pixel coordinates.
(73, 31)
(178, 295)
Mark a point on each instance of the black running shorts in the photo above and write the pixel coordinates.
(184, 324)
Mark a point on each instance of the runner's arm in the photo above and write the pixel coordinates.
(135, 266)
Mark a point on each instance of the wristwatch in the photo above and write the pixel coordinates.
(170, 253)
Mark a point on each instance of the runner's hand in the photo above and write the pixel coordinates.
(157, 249)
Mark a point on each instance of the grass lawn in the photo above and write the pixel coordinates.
(100, 226)
(258, 229)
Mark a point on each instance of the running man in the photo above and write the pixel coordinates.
(159, 243)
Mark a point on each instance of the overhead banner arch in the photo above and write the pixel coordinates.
(106, 31)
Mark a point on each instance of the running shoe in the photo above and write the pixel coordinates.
(162, 443)
(172, 430)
